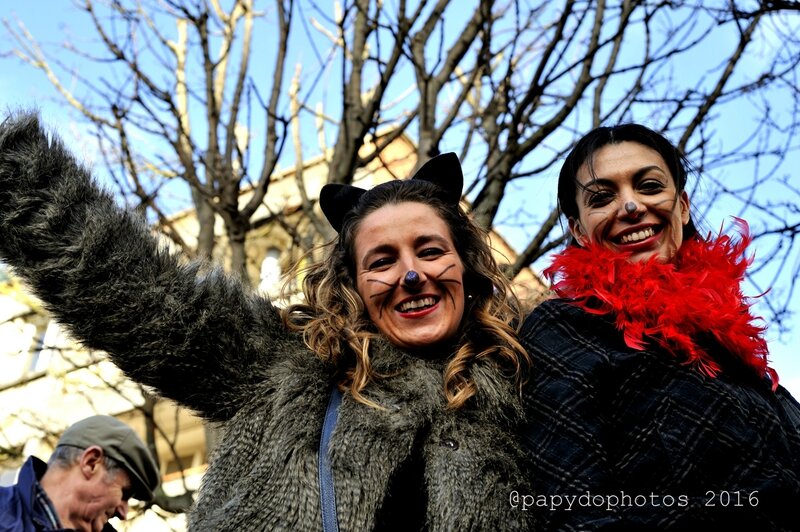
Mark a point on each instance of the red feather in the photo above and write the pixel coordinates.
(671, 305)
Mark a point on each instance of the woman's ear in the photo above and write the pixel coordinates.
(684, 202)
(577, 231)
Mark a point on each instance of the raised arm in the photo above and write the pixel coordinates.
(193, 333)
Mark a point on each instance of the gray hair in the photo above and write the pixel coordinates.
(66, 456)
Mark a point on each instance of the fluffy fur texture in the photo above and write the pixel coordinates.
(202, 339)
(677, 305)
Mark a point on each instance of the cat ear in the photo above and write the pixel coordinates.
(445, 172)
(336, 200)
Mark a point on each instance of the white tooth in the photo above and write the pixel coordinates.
(639, 235)
(419, 303)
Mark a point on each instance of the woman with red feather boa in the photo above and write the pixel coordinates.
(651, 404)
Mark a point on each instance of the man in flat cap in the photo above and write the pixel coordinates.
(98, 464)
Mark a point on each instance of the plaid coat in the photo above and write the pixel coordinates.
(633, 440)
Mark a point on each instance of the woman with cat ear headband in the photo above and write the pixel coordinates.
(389, 399)
(652, 389)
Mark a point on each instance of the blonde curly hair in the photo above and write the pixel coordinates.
(335, 323)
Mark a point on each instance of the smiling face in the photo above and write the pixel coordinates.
(628, 202)
(413, 312)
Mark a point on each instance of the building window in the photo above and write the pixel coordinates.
(270, 277)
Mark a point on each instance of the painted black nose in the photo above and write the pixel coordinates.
(411, 278)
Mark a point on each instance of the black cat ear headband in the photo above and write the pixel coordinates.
(444, 171)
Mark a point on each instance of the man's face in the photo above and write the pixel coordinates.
(100, 497)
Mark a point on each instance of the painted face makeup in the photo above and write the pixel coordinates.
(393, 241)
(628, 201)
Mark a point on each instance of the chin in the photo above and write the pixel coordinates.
(424, 344)
(644, 257)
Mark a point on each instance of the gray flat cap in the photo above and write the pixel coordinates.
(120, 443)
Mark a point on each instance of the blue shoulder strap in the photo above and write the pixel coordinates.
(327, 495)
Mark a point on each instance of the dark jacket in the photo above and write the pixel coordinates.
(18, 513)
(661, 445)
(199, 337)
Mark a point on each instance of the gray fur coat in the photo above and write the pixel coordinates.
(199, 337)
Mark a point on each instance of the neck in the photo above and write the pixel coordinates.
(61, 488)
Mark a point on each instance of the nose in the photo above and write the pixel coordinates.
(412, 276)
(630, 207)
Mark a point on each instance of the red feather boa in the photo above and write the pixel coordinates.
(672, 304)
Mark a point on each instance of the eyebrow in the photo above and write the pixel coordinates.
(602, 181)
(388, 248)
(424, 239)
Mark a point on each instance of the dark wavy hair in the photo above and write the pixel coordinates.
(587, 146)
(335, 323)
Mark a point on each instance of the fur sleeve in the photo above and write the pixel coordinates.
(199, 338)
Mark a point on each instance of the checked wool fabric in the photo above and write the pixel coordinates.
(605, 419)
